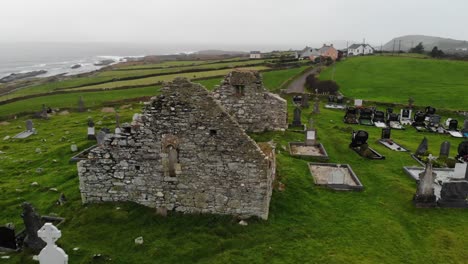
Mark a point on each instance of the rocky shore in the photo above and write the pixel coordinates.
(19, 76)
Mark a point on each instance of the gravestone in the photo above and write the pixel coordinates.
(357, 102)
(311, 137)
(44, 114)
(454, 194)
(51, 253)
(444, 149)
(461, 171)
(336, 177)
(463, 151)
(91, 130)
(32, 223)
(118, 130)
(297, 99)
(425, 196)
(7, 238)
(452, 125)
(465, 128)
(331, 99)
(297, 117)
(317, 106)
(101, 136)
(305, 101)
(410, 102)
(29, 125)
(81, 105)
(386, 133)
(422, 148)
(339, 99)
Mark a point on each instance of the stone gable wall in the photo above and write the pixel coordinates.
(219, 169)
(254, 108)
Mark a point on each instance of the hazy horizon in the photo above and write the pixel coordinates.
(221, 24)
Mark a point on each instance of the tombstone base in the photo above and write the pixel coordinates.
(91, 137)
(425, 201)
(368, 153)
(453, 203)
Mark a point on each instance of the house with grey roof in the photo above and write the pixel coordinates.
(360, 49)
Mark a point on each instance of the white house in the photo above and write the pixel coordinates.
(255, 55)
(360, 49)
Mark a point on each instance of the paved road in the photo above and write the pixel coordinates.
(297, 86)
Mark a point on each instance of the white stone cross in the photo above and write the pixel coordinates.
(51, 253)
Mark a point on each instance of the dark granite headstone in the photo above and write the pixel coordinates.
(339, 99)
(331, 99)
(463, 151)
(7, 238)
(430, 111)
(359, 138)
(444, 149)
(32, 223)
(423, 147)
(29, 125)
(453, 125)
(297, 117)
(454, 194)
(405, 113)
(386, 133)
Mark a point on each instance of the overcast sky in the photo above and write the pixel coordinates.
(238, 22)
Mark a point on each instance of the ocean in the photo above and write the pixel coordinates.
(58, 58)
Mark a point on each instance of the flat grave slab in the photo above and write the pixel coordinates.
(24, 134)
(338, 177)
(380, 124)
(392, 145)
(301, 149)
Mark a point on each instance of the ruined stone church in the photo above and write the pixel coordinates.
(244, 97)
(184, 153)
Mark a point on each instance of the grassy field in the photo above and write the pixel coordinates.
(307, 224)
(112, 76)
(272, 80)
(439, 83)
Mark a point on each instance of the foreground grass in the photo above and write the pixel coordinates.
(439, 83)
(307, 224)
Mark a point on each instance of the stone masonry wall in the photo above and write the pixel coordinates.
(243, 96)
(184, 153)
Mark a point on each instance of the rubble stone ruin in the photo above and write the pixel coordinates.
(186, 153)
(256, 110)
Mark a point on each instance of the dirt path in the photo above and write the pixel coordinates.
(297, 86)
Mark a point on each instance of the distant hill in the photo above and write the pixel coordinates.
(220, 52)
(429, 42)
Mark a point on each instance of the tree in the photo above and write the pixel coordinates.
(418, 49)
(436, 53)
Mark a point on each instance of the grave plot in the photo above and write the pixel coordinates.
(335, 102)
(338, 177)
(405, 116)
(443, 187)
(419, 121)
(451, 127)
(421, 155)
(310, 147)
(360, 146)
(30, 130)
(365, 117)
(28, 237)
(434, 126)
(379, 119)
(351, 116)
(388, 142)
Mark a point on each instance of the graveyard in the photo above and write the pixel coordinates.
(306, 222)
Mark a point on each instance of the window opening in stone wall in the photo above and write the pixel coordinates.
(240, 89)
(173, 160)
